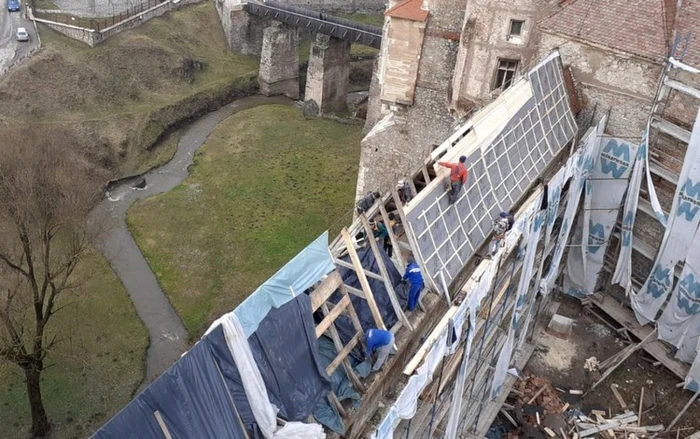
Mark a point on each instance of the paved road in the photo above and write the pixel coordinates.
(168, 337)
(10, 48)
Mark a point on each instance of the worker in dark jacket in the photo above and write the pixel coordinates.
(415, 279)
(382, 341)
(367, 201)
(404, 191)
(458, 177)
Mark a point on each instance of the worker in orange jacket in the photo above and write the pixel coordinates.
(458, 177)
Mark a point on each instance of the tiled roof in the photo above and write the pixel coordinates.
(688, 32)
(636, 27)
(408, 10)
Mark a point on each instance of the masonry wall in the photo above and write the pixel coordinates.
(484, 40)
(358, 6)
(609, 80)
(394, 152)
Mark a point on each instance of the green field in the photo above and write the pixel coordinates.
(264, 185)
(94, 370)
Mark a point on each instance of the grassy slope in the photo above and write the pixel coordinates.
(265, 184)
(98, 364)
(106, 93)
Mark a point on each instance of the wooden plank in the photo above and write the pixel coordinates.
(330, 318)
(354, 291)
(351, 311)
(356, 383)
(392, 237)
(352, 267)
(385, 274)
(655, 348)
(335, 402)
(343, 354)
(321, 293)
(672, 130)
(369, 297)
(161, 424)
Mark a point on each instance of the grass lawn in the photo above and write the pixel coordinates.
(106, 94)
(96, 367)
(264, 185)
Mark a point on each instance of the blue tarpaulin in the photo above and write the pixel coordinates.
(304, 270)
(191, 398)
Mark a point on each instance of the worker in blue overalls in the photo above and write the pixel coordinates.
(415, 279)
(382, 341)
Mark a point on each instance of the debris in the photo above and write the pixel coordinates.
(591, 364)
(537, 415)
(560, 326)
(550, 432)
(539, 392)
(576, 392)
(641, 404)
(616, 392)
(566, 406)
(509, 418)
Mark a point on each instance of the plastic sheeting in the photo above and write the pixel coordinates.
(343, 324)
(692, 381)
(676, 319)
(191, 397)
(264, 412)
(303, 271)
(580, 166)
(682, 223)
(603, 197)
(623, 269)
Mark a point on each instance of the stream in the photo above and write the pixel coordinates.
(167, 335)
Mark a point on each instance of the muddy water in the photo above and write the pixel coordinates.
(168, 337)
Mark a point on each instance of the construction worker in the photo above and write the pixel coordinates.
(415, 279)
(458, 177)
(383, 342)
(404, 190)
(367, 201)
(381, 233)
(501, 225)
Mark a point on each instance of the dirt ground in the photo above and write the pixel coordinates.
(561, 362)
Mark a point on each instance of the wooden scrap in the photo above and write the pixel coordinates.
(563, 433)
(596, 413)
(576, 392)
(618, 396)
(539, 392)
(641, 403)
(550, 432)
(690, 402)
(509, 418)
(566, 406)
(537, 415)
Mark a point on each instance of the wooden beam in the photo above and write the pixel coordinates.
(385, 274)
(322, 292)
(354, 291)
(392, 237)
(356, 383)
(343, 354)
(351, 310)
(330, 318)
(363, 280)
(335, 402)
(352, 267)
(161, 424)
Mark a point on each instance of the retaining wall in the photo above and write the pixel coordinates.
(92, 37)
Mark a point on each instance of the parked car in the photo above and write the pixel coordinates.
(13, 5)
(22, 34)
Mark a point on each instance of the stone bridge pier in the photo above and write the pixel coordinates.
(279, 61)
(328, 74)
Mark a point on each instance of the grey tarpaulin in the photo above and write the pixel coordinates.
(191, 397)
(193, 392)
(381, 296)
(325, 413)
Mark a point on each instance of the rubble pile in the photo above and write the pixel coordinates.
(539, 391)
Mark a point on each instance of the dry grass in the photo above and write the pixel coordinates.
(108, 93)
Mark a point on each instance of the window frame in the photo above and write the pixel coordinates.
(504, 61)
(521, 30)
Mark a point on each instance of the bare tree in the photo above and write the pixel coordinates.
(46, 191)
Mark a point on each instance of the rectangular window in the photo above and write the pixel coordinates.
(516, 28)
(505, 73)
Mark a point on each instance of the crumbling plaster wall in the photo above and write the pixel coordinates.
(399, 149)
(609, 80)
(485, 40)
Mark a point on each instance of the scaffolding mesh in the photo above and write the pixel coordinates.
(499, 173)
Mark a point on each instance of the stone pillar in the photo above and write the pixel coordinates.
(245, 31)
(279, 61)
(327, 77)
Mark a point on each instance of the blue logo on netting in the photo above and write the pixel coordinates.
(553, 205)
(537, 223)
(689, 198)
(689, 295)
(660, 281)
(596, 236)
(627, 225)
(615, 158)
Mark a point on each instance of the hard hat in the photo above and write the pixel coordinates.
(402, 183)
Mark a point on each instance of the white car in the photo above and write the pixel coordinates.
(22, 34)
